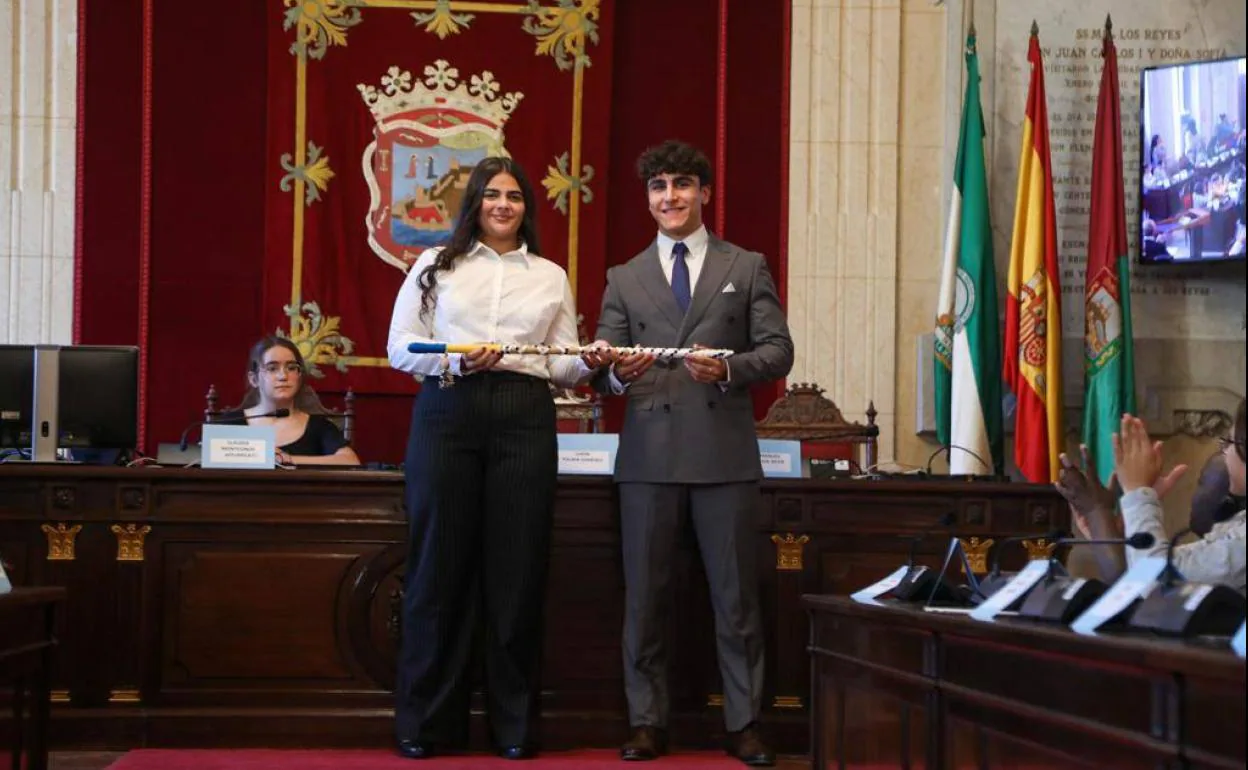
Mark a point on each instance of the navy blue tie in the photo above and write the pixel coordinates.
(680, 277)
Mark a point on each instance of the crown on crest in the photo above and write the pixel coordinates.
(440, 90)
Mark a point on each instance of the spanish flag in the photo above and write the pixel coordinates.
(1033, 313)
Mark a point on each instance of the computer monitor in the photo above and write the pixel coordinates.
(98, 397)
(1192, 169)
(17, 376)
(90, 395)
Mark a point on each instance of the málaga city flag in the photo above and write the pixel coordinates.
(968, 337)
(1109, 358)
(1033, 313)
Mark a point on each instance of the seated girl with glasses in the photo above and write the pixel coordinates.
(306, 436)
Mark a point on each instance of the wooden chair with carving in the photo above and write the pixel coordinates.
(804, 414)
(344, 418)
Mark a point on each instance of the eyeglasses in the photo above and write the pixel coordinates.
(290, 367)
(1226, 441)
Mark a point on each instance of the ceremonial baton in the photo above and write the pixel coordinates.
(562, 350)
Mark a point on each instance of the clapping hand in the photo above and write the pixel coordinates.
(1081, 487)
(1092, 505)
(1137, 459)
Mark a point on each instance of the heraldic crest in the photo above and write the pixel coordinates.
(428, 136)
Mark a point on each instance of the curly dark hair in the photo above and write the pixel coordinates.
(674, 157)
(468, 227)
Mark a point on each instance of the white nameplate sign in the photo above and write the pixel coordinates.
(239, 446)
(877, 589)
(1019, 585)
(588, 454)
(1134, 583)
(781, 459)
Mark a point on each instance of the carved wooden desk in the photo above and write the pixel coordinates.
(896, 687)
(27, 616)
(258, 607)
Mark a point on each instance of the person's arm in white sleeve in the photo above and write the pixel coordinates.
(1218, 557)
(408, 325)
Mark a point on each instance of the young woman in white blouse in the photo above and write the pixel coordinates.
(481, 466)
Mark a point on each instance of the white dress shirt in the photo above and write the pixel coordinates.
(516, 298)
(1218, 557)
(696, 243)
(695, 257)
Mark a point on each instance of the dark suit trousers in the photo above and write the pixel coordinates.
(724, 518)
(481, 477)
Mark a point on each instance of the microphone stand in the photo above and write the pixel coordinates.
(1177, 607)
(1060, 598)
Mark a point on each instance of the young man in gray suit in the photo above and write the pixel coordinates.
(688, 446)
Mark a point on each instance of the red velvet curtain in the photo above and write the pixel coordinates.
(221, 110)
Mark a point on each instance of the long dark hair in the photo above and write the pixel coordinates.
(468, 227)
(305, 399)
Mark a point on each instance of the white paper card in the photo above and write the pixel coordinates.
(880, 587)
(596, 461)
(1019, 585)
(1237, 641)
(1134, 583)
(781, 459)
(1073, 588)
(588, 454)
(239, 446)
(1196, 597)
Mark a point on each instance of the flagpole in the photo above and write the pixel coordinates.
(1109, 361)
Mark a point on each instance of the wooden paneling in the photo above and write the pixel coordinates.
(1013, 694)
(264, 611)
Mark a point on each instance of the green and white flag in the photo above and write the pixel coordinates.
(968, 332)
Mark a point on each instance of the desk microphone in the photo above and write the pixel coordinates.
(1060, 598)
(1171, 575)
(920, 582)
(1138, 540)
(991, 472)
(186, 433)
(994, 581)
(1177, 607)
(1053, 537)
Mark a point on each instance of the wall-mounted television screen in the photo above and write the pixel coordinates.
(1192, 169)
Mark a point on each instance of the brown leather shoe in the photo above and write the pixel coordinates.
(748, 747)
(647, 743)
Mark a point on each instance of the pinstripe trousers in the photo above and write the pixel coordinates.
(481, 475)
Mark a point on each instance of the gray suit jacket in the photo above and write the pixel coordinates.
(677, 430)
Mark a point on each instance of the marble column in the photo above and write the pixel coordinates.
(865, 192)
(38, 95)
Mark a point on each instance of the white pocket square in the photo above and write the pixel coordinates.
(729, 289)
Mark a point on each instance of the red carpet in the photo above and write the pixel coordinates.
(347, 759)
